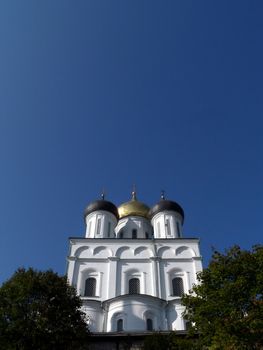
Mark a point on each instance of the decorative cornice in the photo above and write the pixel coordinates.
(155, 258)
(197, 258)
(71, 258)
(113, 258)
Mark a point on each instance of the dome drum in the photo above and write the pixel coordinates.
(101, 205)
(104, 219)
(166, 205)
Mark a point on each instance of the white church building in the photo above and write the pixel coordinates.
(133, 265)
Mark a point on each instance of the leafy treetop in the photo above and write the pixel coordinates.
(226, 307)
(39, 310)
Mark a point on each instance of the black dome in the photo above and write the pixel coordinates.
(101, 205)
(166, 205)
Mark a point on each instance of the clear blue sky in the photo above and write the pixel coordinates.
(93, 94)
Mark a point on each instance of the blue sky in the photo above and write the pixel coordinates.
(93, 94)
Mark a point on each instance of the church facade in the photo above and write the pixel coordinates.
(133, 265)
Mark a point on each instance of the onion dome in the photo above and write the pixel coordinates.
(133, 208)
(101, 204)
(164, 205)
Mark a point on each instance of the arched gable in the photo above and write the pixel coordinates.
(125, 252)
(166, 252)
(88, 271)
(83, 252)
(143, 252)
(102, 252)
(175, 271)
(90, 274)
(116, 317)
(185, 252)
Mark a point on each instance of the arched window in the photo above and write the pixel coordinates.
(98, 226)
(167, 227)
(120, 325)
(177, 286)
(90, 225)
(134, 286)
(134, 234)
(158, 228)
(109, 229)
(90, 287)
(149, 324)
(178, 229)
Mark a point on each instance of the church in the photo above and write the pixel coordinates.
(133, 265)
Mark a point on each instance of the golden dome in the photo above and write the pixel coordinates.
(133, 208)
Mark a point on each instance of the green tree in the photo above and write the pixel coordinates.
(226, 308)
(170, 341)
(156, 341)
(39, 310)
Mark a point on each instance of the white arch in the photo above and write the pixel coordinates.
(121, 250)
(162, 252)
(90, 273)
(133, 273)
(144, 251)
(185, 252)
(114, 319)
(102, 249)
(81, 250)
(88, 270)
(132, 270)
(153, 316)
(148, 313)
(175, 270)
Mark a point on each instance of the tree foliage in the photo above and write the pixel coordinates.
(39, 310)
(170, 341)
(226, 307)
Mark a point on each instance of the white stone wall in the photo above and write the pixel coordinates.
(167, 224)
(100, 224)
(126, 226)
(134, 310)
(114, 261)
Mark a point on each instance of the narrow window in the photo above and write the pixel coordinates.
(178, 286)
(134, 286)
(109, 228)
(120, 325)
(134, 234)
(168, 228)
(90, 287)
(149, 324)
(178, 229)
(121, 235)
(98, 226)
(90, 223)
(158, 228)
(146, 235)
